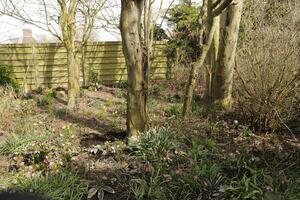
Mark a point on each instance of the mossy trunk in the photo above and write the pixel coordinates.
(130, 25)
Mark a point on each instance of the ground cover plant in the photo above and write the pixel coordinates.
(67, 154)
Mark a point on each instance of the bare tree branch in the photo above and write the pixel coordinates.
(220, 7)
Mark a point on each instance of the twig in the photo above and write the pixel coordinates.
(288, 128)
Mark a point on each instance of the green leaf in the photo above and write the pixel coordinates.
(108, 189)
(92, 193)
(268, 179)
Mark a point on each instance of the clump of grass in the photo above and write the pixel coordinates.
(120, 93)
(174, 110)
(199, 109)
(185, 169)
(8, 105)
(157, 141)
(47, 99)
(20, 143)
(149, 188)
(109, 103)
(28, 134)
(156, 149)
(102, 114)
(21, 138)
(58, 187)
(61, 112)
(97, 103)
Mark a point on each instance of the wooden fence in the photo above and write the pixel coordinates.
(46, 64)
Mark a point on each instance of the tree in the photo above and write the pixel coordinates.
(137, 25)
(205, 48)
(68, 28)
(221, 51)
(130, 21)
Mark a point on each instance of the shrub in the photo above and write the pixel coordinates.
(93, 77)
(268, 78)
(7, 77)
(183, 47)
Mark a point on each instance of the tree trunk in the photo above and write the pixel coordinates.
(214, 24)
(195, 68)
(213, 52)
(68, 27)
(85, 69)
(73, 78)
(130, 25)
(223, 80)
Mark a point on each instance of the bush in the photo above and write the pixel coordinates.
(93, 77)
(268, 77)
(183, 47)
(7, 77)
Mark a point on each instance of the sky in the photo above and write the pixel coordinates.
(11, 30)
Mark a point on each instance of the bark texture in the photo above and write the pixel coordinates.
(223, 21)
(68, 27)
(223, 80)
(212, 61)
(130, 25)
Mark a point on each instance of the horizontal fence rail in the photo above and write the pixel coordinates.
(46, 64)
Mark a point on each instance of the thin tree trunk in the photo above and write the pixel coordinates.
(68, 27)
(223, 80)
(131, 12)
(195, 69)
(213, 52)
(214, 24)
(73, 78)
(85, 69)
